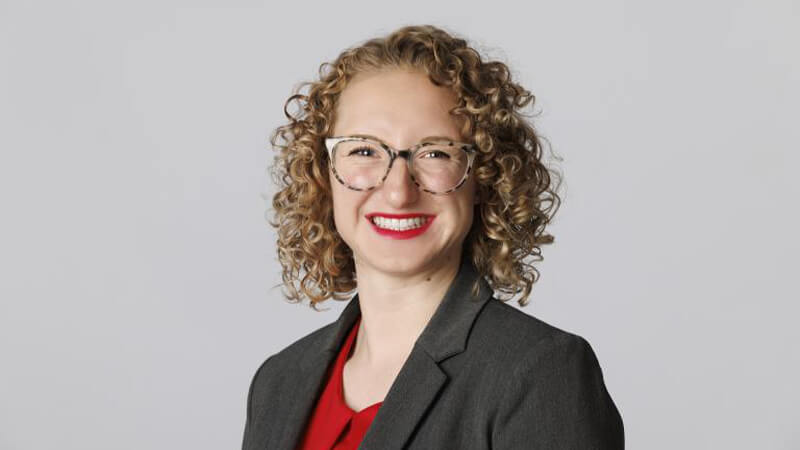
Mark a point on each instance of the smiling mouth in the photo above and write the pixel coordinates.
(403, 224)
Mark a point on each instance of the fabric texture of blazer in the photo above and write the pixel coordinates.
(482, 375)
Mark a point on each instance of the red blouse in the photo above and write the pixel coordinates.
(333, 425)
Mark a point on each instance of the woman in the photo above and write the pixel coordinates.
(410, 176)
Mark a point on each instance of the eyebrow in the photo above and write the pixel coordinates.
(425, 139)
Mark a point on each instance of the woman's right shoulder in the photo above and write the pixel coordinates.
(293, 354)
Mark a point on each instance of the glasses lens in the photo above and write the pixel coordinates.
(440, 167)
(360, 164)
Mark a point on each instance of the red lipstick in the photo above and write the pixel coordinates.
(401, 234)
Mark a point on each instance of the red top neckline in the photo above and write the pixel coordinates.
(333, 424)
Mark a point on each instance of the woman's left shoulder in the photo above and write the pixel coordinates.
(554, 393)
(524, 345)
(500, 324)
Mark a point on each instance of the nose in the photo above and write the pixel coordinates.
(398, 189)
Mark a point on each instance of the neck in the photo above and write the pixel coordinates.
(395, 311)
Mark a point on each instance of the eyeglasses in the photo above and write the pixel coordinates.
(436, 166)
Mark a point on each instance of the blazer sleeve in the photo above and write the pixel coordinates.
(557, 400)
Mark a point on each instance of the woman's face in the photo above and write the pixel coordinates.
(401, 108)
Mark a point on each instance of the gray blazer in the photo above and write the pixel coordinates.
(482, 375)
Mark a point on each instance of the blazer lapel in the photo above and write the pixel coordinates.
(309, 377)
(418, 382)
(412, 392)
(421, 378)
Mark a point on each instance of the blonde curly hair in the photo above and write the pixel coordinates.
(517, 193)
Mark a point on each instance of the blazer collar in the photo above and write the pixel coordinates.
(418, 381)
(447, 332)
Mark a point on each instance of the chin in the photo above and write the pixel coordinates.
(399, 266)
(405, 263)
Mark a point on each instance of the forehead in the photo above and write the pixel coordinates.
(398, 106)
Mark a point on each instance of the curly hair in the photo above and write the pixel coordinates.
(517, 193)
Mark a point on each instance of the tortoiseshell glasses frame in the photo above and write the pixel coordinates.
(408, 154)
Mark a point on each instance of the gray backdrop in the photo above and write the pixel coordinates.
(137, 295)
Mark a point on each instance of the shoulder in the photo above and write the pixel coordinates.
(529, 353)
(553, 392)
(281, 369)
(292, 354)
(521, 336)
(515, 321)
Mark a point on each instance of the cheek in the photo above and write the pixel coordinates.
(345, 206)
(339, 206)
(469, 198)
(469, 217)
(461, 213)
(468, 208)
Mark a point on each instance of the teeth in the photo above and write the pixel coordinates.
(399, 224)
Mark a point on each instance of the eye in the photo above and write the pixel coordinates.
(361, 151)
(435, 154)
